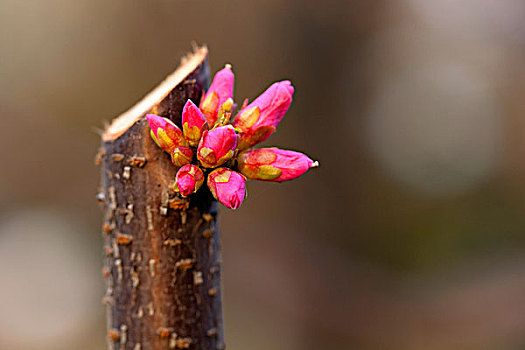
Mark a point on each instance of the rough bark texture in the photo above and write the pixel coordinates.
(162, 256)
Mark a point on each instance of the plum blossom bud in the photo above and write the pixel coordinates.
(217, 146)
(258, 120)
(181, 156)
(220, 90)
(273, 164)
(165, 133)
(188, 180)
(193, 123)
(227, 186)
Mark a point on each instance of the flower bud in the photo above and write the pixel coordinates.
(181, 156)
(273, 164)
(227, 186)
(217, 146)
(165, 133)
(193, 123)
(188, 180)
(258, 120)
(220, 90)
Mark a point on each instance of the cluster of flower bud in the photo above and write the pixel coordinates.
(212, 146)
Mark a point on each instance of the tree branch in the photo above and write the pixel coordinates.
(162, 256)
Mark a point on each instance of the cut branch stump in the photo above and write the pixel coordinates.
(162, 255)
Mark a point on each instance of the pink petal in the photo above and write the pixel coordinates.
(273, 164)
(227, 186)
(217, 146)
(222, 84)
(192, 115)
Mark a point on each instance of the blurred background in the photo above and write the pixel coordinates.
(409, 236)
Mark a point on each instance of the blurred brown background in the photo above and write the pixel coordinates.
(409, 236)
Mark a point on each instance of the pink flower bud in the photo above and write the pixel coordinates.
(220, 90)
(188, 180)
(217, 146)
(193, 123)
(273, 164)
(227, 186)
(165, 133)
(181, 156)
(258, 120)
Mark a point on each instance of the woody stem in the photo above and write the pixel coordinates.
(162, 254)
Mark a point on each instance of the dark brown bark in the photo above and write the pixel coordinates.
(162, 263)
